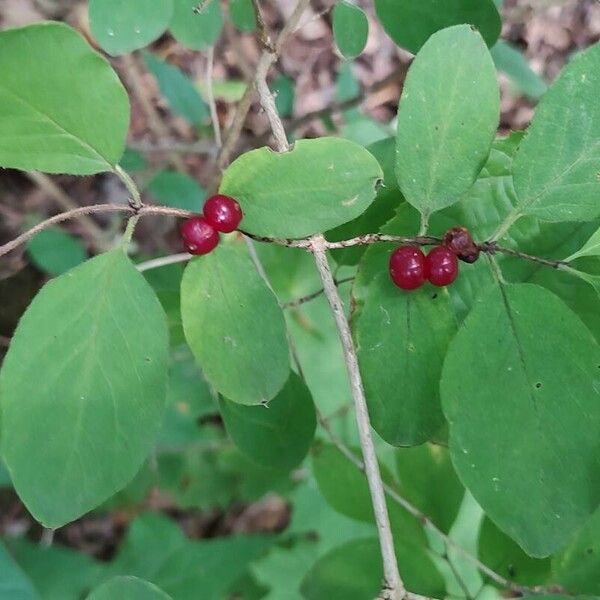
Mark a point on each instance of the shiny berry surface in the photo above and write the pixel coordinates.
(442, 266)
(223, 213)
(408, 268)
(199, 236)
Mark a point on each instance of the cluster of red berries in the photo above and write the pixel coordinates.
(200, 233)
(410, 268)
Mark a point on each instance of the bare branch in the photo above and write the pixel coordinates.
(155, 123)
(210, 96)
(371, 466)
(163, 261)
(425, 520)
(58, 194)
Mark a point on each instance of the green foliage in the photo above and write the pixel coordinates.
(510, 409)
(124, 27)
(279, 435)
(284, 92)
(98, 412)
(447, 119)
(577, 567)
(242, 351)
(590, 248)
(14, 583)
(428, 480)
(379, 212)
(410, 23)
(65, 109)
(511, 62)
(157, 550)
(55, 251)
(350, 28)
(128, 588)
(403, 337)
(503, 555)
(279, 200)
(197, 30)
(242, 14)
(556, 169)
(171, 188)
(181, 93)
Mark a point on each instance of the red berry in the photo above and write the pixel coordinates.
(199, 236)
(408, 268)
(442, 266)
(223, 213)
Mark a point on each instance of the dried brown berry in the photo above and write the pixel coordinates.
(459, 240)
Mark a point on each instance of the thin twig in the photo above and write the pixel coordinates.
(155, 123)
(371, 466)
(163, 261)
(58, 194)
(265, 61)
(424, 519)
(210, 96)
(309, 297)
(493, 248)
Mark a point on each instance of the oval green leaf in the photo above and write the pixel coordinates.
(82, 388)
(197, 30)
(350, 28)
(410, 23)
(276, 436)
(556, 168)
(318, 185)
(122, 27)
(234, 326)
(242, 14)
(402, 340)
(520, 392)
(55, 251)
(179, 90)
(447, 119)
(64, 108)
(128, 588)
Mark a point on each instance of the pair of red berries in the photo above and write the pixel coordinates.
(200, 233)
(410, 268)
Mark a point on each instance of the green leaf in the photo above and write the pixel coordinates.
(133, 160)
(512, 400)
(128, 588)
(378, 213)
(556, 168)
(353, 571)
(511, 62)
(156, 550)
(279, 200)
(403, 337)
(590, 248)
(505, 557)
(178, 190)
(242, 14)
(447, 119)
(577, 567)
(345, 488)
(55, 251)
(58, 572)
(279, 435)
(284, 92)
(350, 28)
(14, 583)
(234, 326)
(124, 27)
(97, 339)
(197, 31)
(428, 480)
(64, 108)
(180, 92)
(411, 23)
